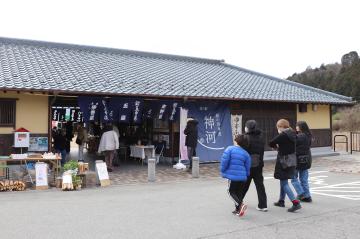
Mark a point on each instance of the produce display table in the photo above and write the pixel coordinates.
(55, 162)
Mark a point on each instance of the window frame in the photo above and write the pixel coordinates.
(12, 105)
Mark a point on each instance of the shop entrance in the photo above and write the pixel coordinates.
(158, 137)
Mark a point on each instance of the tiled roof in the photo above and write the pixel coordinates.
(44, 66)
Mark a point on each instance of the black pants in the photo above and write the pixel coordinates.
(256, 174)
(236, 189)
(190, 151)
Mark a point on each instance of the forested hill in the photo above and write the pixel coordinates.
(341, 78)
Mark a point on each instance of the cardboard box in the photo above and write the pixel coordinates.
(2, 169)
(89, 179)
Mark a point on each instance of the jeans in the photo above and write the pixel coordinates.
(302, 186)
(190, 151)
(63, 153)
(81, 152)
(256, 174)
(286, 190)
(236, 189)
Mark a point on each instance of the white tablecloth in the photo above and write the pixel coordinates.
(142, 152)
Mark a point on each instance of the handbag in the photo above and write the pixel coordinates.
(303, 159)
(78, 141)
(288, 161)
(255, 160)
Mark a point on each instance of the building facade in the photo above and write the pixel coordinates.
(36, 76)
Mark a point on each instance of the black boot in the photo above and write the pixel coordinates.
(280, 203)
(296, 206)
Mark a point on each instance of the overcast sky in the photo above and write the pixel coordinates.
(277, 37)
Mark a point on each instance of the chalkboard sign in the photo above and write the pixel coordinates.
(102, 173)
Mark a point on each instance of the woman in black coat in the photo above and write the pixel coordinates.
(304, 159)
(256, 148)
(285, 145)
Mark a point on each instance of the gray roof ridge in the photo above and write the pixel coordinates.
(98, 49)
(291, 83)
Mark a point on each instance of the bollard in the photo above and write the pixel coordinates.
(195, 167)
(151, 170)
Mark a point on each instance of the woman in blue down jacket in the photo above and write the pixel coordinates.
(235, 166)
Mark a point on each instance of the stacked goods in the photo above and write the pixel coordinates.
(18, 156)
(67, 183)
(83, 167)
(49, 156)
(10, 185)
(34, 156)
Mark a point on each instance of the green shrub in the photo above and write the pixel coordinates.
(71, 165)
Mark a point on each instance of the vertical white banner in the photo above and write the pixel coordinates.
(236, 125)
(183, 120)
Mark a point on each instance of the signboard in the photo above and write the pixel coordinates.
(38, 144)
(183, 148)
(102, 173)
(22, 139)
(236, 125)
(41, 174)
(214, 129)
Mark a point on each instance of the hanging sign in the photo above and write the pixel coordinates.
(55, 115)
(236, 125)
(105, 111)
(137, 111)
(214, 129)
(183, 148)
(125, 111)
(90, 107)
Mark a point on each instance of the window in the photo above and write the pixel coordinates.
(7, 112)
(302, 108)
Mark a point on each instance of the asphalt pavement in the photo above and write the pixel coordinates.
(198, 208)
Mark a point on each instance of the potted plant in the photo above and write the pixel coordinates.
(72, 167)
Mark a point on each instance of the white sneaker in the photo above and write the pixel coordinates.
(262, 209)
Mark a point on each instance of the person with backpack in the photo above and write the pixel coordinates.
(256, 148)
(304, 160)
(285, 166)
(235, 166)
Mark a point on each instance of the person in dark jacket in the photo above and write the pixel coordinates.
(256, 149)
(60, 145)
(69, 135)
(191, 132)
(303, 154)
(235, 166)
(285, 145)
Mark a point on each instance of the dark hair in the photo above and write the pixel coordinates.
(241, 140)
(304, 128)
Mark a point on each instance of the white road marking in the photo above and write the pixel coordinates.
(349, 191)
(343, 188)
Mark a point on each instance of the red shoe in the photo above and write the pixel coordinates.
(242, 210)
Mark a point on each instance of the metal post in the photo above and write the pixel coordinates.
(351, 143)
(195, 167)
(151, 169)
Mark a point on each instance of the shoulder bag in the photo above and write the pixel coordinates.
(288, 161)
